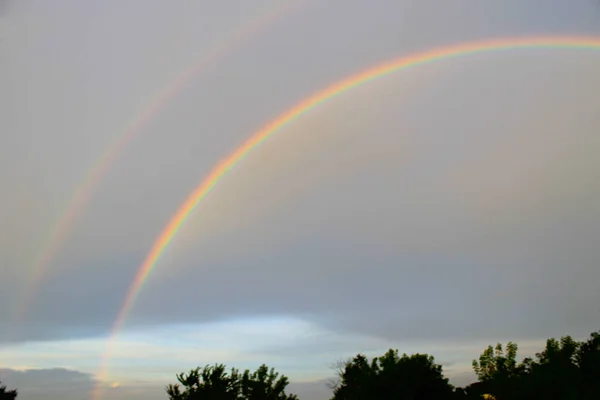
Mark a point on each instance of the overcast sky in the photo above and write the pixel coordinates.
(439, 209)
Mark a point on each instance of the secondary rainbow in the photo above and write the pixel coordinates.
(336, 89)
(85, 190)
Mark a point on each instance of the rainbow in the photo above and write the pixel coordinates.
(85, 190)
(304, 106)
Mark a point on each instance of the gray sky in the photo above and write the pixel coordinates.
(438, 209)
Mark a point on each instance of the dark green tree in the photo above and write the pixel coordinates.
(564, 370)
(390, 376)
(208, 383)
(588, 360)
(555, 373)
(7, 394)
(265, 384)
(497, 371)
(214, 383)
(495, 363)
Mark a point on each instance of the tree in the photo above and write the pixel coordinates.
(565, 370)
(412, 377)
(588, 360)
(7, 394)
(214, 383)
(555, 374)
(210, 382)
(339, 366)
(263, 384)
(494, 364)
(497, 371)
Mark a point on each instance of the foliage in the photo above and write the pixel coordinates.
(7, 394)
(588, 361)
(497, 370)
(494, 364)
(263, 384)
(391, 376)
(564, 370)
(214, 383)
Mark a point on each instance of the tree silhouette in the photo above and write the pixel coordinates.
(210, 382)
(564, 370)
(265, 384)
(7, 394)
(497, 371)
(495, 364)
(588, 360)
(214, 383)
(412, 377)
(555, 374)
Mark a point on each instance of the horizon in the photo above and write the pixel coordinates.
(437, 209)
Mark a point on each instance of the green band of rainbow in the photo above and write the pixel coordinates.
(379, 71)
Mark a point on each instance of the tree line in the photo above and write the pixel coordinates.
(565, 370)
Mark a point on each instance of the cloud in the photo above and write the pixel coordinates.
(310, 390)
(452, 243)
(67, 384)
(55, 383)
(399, 223)
(440, 208)
(302, 351)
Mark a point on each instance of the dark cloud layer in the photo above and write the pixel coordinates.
(67, 384)
(54, 384)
